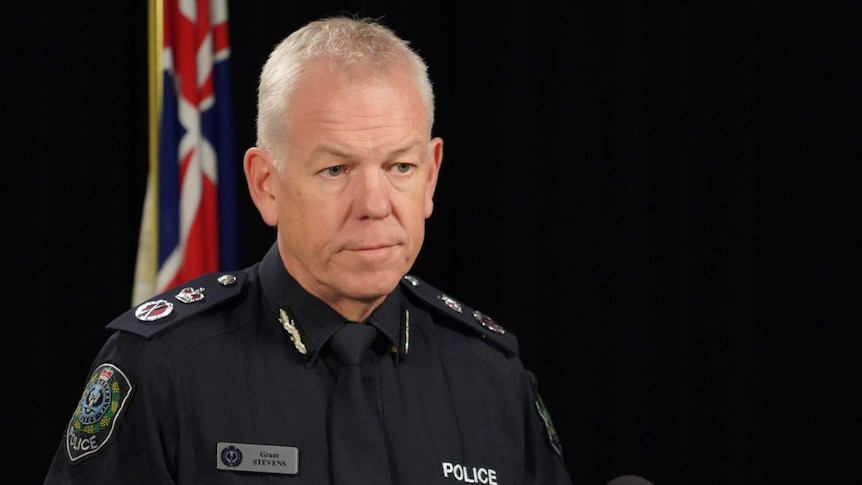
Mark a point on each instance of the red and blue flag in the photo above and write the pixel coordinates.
(189, 223)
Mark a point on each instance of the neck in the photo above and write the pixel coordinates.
(354, 310)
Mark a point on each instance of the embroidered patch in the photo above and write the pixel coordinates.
(553, 438)
(95, 420)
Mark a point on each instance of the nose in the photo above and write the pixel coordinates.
(372, 192)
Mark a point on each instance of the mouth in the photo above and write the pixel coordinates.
(362, 246)
(372, 248)
(374, 252)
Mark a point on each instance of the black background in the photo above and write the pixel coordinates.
(658, 198)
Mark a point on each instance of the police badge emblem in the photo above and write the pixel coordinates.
(553, 438)
(94, 421)
(542, 410)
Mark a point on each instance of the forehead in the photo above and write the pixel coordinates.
(365, 107)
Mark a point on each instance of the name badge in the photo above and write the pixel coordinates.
(245, 457)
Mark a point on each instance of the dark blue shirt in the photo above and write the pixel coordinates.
(245, 361)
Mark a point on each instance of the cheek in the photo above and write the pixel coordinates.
(298, 212)
(415, 224)
(313, 219)
(305, 234)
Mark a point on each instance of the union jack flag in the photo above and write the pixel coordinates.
(189, 220)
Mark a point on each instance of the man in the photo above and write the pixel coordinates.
(244, 377)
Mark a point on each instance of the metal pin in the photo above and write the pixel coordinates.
(406, 331)
(288, 325)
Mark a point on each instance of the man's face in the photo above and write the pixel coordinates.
(357, 184)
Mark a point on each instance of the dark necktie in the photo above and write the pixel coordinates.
(357, 445)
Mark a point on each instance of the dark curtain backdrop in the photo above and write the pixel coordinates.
(654, 196)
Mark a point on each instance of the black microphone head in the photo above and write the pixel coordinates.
(630, 480)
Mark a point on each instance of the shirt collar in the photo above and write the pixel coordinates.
(313, 320)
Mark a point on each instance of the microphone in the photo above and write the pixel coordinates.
(630, 480)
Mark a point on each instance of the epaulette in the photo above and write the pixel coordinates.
(177, 304)
(474, 320)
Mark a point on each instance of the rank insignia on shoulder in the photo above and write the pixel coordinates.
(190, 295)
(153, 310)
(94, 423)
(196, 296)
(488, 322)
(475, 319)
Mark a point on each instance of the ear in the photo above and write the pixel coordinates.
(262, 180)
(431, 184)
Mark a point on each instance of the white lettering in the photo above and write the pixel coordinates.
(468, 477)
(461, 473)
(85, 444)
(483, 475)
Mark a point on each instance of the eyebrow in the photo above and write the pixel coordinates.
(328, 149)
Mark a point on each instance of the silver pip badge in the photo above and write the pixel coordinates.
(245, 457)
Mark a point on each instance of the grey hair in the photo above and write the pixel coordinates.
(344, 42)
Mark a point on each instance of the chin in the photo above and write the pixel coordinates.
(374, 284)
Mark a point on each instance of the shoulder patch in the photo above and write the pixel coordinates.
(176, 304)
(94, 423)
(545, 415)
(474, 319)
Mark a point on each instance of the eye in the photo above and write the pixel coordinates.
(402, 167)
(335, 171)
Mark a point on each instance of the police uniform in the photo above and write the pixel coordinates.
(225, 380)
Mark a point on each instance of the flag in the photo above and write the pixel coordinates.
(188, 226)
